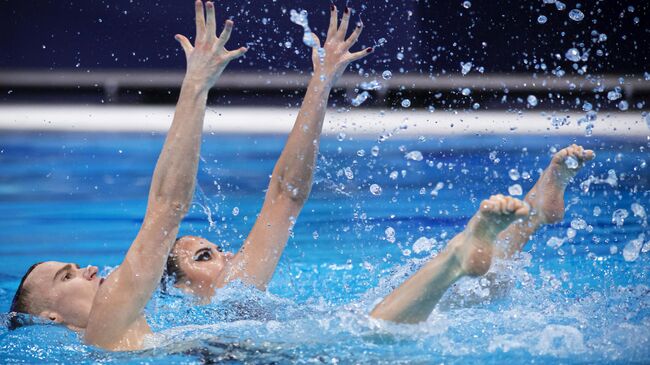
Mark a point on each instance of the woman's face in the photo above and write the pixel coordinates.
(201, 263)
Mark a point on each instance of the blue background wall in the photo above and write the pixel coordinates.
(434, 36)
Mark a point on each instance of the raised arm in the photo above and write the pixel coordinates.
(291, 180)
(116, 315)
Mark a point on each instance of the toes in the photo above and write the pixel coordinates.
(487, 205)
(523, 209)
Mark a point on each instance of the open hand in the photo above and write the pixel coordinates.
(207, 59)
(330, 62)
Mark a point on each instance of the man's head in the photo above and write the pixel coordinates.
(61, 292)
(195, 265)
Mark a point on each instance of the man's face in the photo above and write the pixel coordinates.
(201, 262)
(63, 292)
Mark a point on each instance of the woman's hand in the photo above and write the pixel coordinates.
(207, 59)
(331, 61)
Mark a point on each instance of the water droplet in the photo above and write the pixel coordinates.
(560, 5)
(623, 105)
(466, 92)
(555, 242)
(386, 75)
(424, 244)
(467, 4)
(360, 98)
(375, 151)
(372, 85)
(393, 175)
(572, 54)
(389, 232)
(532, 100)
(578, 224)
(632, 248)
(406, 103)
(514, 174)
(348, 173)
(541, 19)
(597, 211)
(619, 215)
(515, 190)
(571, 162)
(576, 15)
(414, 155)
(400, 56)
(570, 233)
(465, 67)
(235, 211)
(614, 95)
(638, 210)
(375, 189)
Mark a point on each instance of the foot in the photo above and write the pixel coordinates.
(474, 250)
(546, 198)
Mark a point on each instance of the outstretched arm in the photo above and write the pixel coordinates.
(291, 180)
(118, 305)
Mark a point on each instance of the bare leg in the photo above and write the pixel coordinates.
(546, 199)
(468, 254)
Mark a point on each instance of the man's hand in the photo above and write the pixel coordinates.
(207, 59)
(331, 61)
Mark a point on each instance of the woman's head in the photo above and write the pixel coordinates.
(58, 291)
(195, 264)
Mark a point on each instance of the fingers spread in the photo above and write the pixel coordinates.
(225, 34)
(343, 29)
(361, 54)
(354, 36)
(185, 43)
(331, 31)
(200, 20)
(211, 27)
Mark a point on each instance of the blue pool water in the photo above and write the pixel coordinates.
(81, 197)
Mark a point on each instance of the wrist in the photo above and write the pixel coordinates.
(195, 85)
(322, 84)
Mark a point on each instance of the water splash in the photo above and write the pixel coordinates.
(300, 18)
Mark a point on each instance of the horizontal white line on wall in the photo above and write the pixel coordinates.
(371, 122)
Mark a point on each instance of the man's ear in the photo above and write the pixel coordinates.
(52, 316)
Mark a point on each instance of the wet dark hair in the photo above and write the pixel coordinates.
(19, 305)
(172, 273)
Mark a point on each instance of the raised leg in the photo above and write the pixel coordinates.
(546, 199)
(468, 254)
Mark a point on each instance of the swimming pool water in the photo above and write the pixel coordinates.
(80, 197)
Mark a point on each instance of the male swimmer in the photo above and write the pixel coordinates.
(109, 312)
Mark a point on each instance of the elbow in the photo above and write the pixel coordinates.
(173, 207)
(297, 194)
